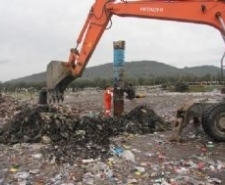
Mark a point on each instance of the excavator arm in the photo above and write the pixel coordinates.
(209, 12)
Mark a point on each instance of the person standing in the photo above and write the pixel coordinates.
(108, 94)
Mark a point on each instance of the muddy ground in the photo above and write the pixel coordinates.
(144, 159)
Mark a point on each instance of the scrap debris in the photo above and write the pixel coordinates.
(89, 135)
(69, 145)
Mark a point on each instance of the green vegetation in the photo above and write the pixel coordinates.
(181, 87)
(167, 83)
(199, 88)
(143, 73)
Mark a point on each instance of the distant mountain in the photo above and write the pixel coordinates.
(34, 78)
(201, 70)
(132, 69)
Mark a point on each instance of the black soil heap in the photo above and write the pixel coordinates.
(86, 136)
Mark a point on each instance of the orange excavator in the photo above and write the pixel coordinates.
(208, 12)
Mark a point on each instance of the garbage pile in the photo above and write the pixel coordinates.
(8, 108)
(87, 136)
(145, 120)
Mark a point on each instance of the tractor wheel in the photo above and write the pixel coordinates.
(213, 122)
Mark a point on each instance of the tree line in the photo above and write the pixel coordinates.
(102, 82)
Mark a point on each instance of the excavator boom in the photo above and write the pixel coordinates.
(209, 12)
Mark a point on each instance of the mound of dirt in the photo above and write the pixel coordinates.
(86, 136)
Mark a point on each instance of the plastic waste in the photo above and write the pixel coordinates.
(210, 144)
(128, 156)
(22, 175)
(139, 168)
(87, 160)
(117, 151)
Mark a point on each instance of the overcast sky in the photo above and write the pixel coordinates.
(34, 32)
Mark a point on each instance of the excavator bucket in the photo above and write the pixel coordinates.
(58, 78)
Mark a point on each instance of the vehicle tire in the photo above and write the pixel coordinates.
(213, 122)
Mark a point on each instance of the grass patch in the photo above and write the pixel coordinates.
(199, 88)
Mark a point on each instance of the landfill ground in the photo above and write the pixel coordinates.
(72, 143)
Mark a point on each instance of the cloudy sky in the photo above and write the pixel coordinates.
(34, 32)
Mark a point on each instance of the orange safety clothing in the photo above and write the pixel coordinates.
(108, 94)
